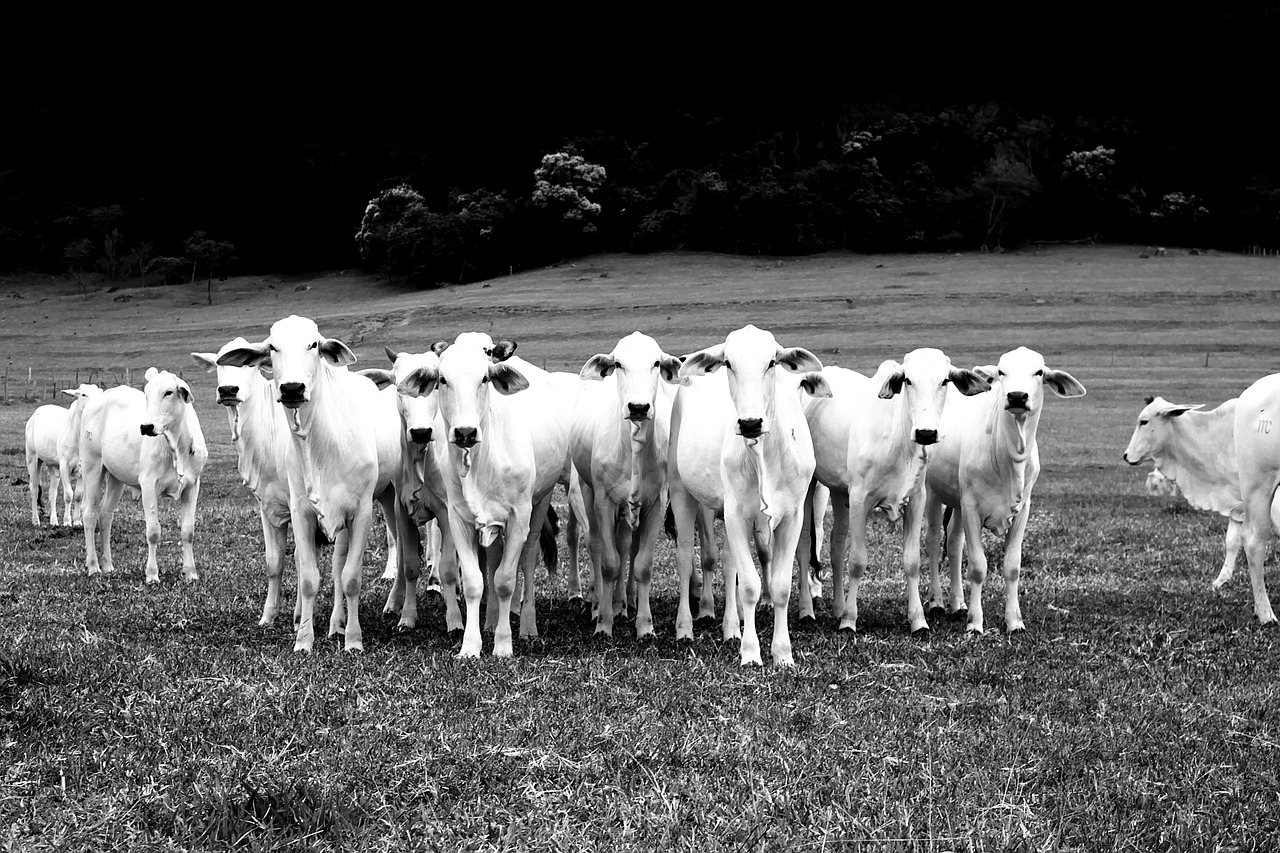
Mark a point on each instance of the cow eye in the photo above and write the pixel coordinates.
(273, 347)
(484, 380)
(314, 344)
(772, 363)
(1143, 423)
(945, 382)
(999, 373)
(906, 380)
(168, 393)
(1039, 373)
(727, 365)
(658, 363)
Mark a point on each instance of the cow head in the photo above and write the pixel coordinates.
(1020, 378)
(1151, 435)
(750, 357)
(233, 382)
(462, 380)
(637, 364)
(295, 351)
(417, 413)
(923, 378)
(167, 399)
(496, 350)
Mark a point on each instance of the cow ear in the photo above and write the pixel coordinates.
(892, 386)
(419, 382)
(598, 367)
(71, 393)
(670, 367)
(336, 352)
(184, 390)
(798, 360)
(1178, 411)
(988, 372)
(249, 354)
(702, 362)
(151, 373)
(506, 379)
(968, 382)
(208, 361)
(816, 385)
(439, 347)
(381, 378)
(391, 354)
(502, 350)
(1063, 383)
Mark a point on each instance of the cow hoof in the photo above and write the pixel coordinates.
(153, 580)
(704, 620)
(354, 648)
(936, 611)
(433, 592)
(961, 613)
(1013, 632)
(922, 633)
(972, 631)
(403, 629)
(1271, 623)
(808, 619)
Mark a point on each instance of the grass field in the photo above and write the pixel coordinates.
(1138, 711)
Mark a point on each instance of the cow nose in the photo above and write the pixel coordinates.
(1017, 399)
(750, 427)
(228, 393)
(465, 436)
(418, 435)
(926, 436)
(292, 392)
(148, 429)
(638, 411)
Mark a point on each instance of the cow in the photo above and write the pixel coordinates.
(1257, 434)
(740, 442)
(44, 433)
(621, 466)
(871, 443)
(150, 439)
(1157, 485)
(335, 466)
(505, 455)
(260, 434)
(69, 448)
(984, 468)
(1195, 457)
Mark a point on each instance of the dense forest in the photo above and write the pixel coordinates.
(1155, 129)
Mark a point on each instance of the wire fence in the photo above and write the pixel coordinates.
(33, 385)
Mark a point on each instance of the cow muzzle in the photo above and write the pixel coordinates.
(638, 411)
(466, 437)
(926, 437)
(1125, 457)
(293, 394)
(228, 395)
(1017, 402)
(148, 429)
(419, 435)
(750, 427)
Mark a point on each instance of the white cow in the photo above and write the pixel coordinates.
(260, 434)
(1160, 486)
(984, 469)
(870, 442)
(150, 439)
(621, 465)
(69, 448)
(1195, 457)
(739, 441)
(46, 428)
(335, 466)
(1257, 434)
(503, 462)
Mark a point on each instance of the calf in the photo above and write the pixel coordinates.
(150, 439)
(871, 442)
(984, 469)
(45, 430)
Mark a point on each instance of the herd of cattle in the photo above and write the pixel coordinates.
(475, 439)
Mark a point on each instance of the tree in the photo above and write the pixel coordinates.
(77, 256)
(1010, 184)
(561, 185)
(214, 255)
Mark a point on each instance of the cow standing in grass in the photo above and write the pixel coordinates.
(1257, 435)
(150, 439)
(984, 468)
(871, 441)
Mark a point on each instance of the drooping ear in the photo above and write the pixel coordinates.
(185, 391)
(702, 362)
(968, 382)
(598, 367)
(208, 361)
(1063, 383)
(150, 374)
(816, 385)
(988, 372)
(336, 352)
(249, 354)
(381, 378)
(502, 350)
(71, 393)
(439, 347)
(1178, 411)
(419, 382)
(669, 365)
(506, 379)
(892, 386)
(798, 360)
(391, 354)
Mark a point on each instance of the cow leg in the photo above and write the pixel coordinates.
(351, 575)
(708, 556)
(1013, 569)
(273, 538)
(387, 502)
(431, 547)
(1230, 550)
(464, 539)
(933, 550)
(785, 538)
(33, 481)
(404, 592)
(737, 539)
(52, 475)
(504, 580)
(187, 531)
(911, 562)
(955, 559)
(68, 495)
(337, 562)
(492, 557)
(642, 560)
(528, 568)
(624, 583)
(91, 511)
(110, 500)
(308, 570)
(972, 526)
(151, 511)
(856, 560)
(684, 510)
(839, 558)
(1257, 536)
(572, 581)
(808, 547)
(604, 549)
(448, 566)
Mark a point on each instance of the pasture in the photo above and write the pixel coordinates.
(1138, 711)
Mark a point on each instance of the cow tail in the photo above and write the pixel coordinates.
(815, 561)
(946, 526)
(547, 540)
(669, 522)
